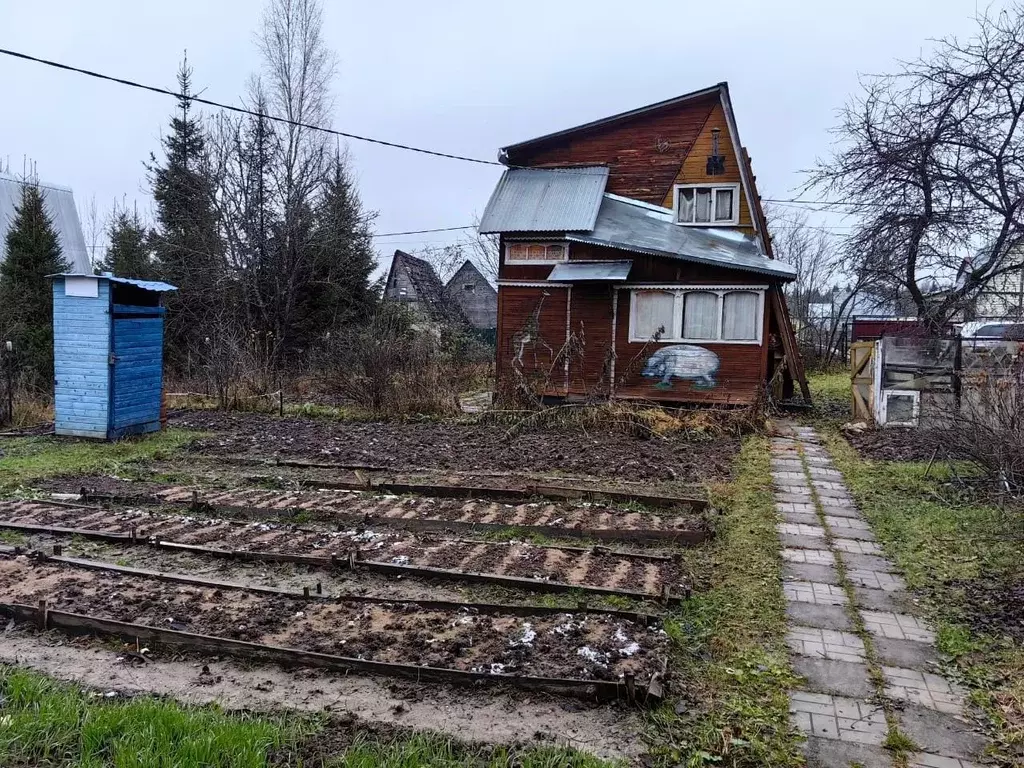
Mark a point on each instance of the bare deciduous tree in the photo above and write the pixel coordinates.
(808, 249)
(932, 160)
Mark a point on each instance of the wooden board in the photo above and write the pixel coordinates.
(862, 375)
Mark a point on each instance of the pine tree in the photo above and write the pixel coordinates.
(32, 251)
(186, 242)
(130, 251)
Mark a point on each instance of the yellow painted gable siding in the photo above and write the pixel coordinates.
(695, 166)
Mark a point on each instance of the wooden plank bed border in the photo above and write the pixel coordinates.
(688, 537)
(643, 619)
(351, 561)
(78, 624)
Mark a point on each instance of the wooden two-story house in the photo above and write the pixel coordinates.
(635, 262)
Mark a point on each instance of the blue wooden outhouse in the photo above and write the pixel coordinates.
(108, 340)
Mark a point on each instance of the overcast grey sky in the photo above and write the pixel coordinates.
(452, 75)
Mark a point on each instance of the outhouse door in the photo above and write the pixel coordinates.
(136, 382)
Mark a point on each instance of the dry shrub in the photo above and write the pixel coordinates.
(988, 427)
(393, 367)
(637, 419)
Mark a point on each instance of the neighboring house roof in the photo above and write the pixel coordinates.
(474, 294)
(469, 271)
(60, 204)
(863, 304)
(545, 200)
(430, 296)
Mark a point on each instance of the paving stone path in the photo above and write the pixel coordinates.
(868, 662)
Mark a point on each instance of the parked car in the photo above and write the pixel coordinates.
(986, 334)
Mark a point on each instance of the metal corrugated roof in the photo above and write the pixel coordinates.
(148, 285)
(545, 200)
(585, 271)
(60, 204)
(642, 228)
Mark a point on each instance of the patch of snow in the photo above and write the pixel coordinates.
(595, 657)
(568, 626)
(366, 536)
(525, 637)
(630, 649)
(400, 559)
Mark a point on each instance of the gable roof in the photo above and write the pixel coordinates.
(469, 271)
(60, 204)
(430, 292)
(721, 91)
(504, 152)
(545, 200)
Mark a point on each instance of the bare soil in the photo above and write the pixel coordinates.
(589, 647)
(894, 444)
(457, 446)
(488, 717)
(994, 605)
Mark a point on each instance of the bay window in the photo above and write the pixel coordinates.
(697, 314)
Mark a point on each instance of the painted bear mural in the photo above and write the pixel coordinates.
(683, 361)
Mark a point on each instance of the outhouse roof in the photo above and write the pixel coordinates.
(146, 285)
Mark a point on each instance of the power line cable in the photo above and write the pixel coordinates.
(241, 110)
(425, 231)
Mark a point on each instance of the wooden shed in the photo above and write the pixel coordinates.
(635, 262)
(108, 355)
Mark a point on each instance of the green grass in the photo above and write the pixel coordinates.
(429, 750)
(832, 395)
(729, 651)
(953, 551)
(44, 723)
(28, 459)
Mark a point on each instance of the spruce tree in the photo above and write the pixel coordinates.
(31, 252)
(130, 251)
(186, 241)
(338, 290)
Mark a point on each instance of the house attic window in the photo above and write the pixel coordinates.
(707, 205)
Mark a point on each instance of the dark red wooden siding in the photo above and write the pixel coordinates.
(644, 154)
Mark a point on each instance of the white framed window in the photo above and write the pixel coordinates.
(536, 253)
(707, 205)
(900, 408)
(701, 314)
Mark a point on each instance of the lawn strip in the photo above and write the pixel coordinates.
(729, 662)
(963, 559)
(29, 459)
(54, 724)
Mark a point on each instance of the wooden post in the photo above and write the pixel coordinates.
(630, 678)
(280, 402)
(43, 617)
(305, 592)
(319, 588)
